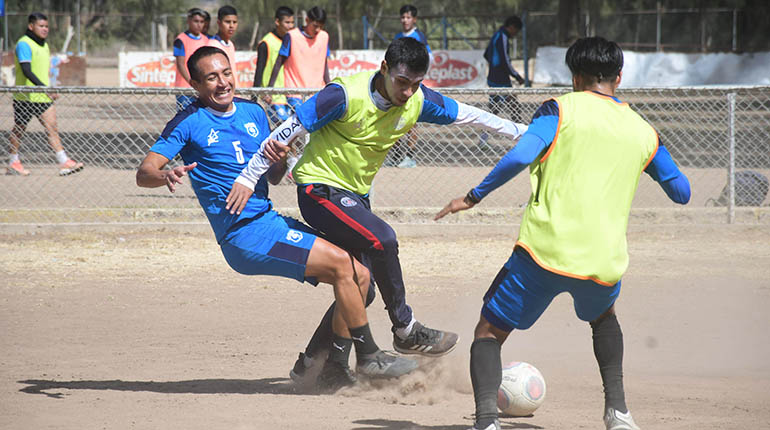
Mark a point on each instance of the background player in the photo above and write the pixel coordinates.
(216, 135)
(267, 54)
(227, 24)
(353, 123)
(32, 64)
(501, 70)
(586, 151)
(185, 45)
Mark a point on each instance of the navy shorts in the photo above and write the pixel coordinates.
(23, 111)
(523, 290)
(272, 244)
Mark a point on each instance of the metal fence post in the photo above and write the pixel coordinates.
(443, 32)
(657, 27)
(731, 162)
(366, 32)
(525, 49)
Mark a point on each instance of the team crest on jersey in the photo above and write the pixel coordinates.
(252, 129)
(294, 236)
(348, 202)
(213, 136)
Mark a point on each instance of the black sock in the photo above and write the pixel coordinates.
(608, 349)
(363, 340)
(486, 375)
(339, 350)
(322, 335)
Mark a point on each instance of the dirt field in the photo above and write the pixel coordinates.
(151, 329)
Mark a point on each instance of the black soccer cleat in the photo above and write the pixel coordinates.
(426, 341)
(334, 376)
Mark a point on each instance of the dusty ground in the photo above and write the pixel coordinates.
(151, 329)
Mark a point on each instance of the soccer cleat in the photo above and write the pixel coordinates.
(334, 376)
(301, 366)
(426, 341)
(494, 426)
(616, 420)
(407, 163)
(384, 365)
(16, 168)
(69, 167)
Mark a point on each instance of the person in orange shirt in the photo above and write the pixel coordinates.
(184, 45)
(303, 55)
(227, 23)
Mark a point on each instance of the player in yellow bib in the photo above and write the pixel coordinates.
(586, 151)
(267, 55)
(32, 64)
(353, 123)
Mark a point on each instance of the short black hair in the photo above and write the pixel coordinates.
(595, 57)
(226, 10)
(35, 17)
(283, 11)
(409, 52)
(317, 14)
(197, 11)
(199, 54)
(513, 21)
(408, 8)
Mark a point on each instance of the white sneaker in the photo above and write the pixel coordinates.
(494, 426)
(616, 420)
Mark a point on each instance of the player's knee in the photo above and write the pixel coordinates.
(388, 242)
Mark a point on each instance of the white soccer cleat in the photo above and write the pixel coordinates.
(616, 420)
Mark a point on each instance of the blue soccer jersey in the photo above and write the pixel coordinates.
(222, 144)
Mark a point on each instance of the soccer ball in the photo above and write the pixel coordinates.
(522, 390)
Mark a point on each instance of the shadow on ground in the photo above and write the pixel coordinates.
(383, 424)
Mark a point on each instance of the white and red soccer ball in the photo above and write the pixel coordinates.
(522, 389)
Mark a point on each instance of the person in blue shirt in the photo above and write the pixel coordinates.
(408, 14)
(501, 70)
(585, 151)
(216, 136)
(343, 212)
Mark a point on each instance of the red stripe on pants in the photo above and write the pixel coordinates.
(345, 218)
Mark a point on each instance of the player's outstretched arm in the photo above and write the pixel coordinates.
(151, 173)
(456, 205)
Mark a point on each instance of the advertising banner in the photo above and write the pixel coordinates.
(447, 69)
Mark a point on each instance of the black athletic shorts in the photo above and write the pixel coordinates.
(23, 111)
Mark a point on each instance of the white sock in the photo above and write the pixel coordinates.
(404, 332)
(61, 157)
(13, 158)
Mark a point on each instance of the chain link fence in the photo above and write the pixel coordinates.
(715, 135)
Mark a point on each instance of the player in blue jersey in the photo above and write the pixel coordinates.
(353, 122)
(585, 151)
(216, 136)
(501, 70)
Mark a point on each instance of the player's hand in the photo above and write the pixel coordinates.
(456, 205)
(275, 151)
(175, 175)
(520, 80)
(53, 96)
(238, 197)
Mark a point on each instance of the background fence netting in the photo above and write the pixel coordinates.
(714, 134)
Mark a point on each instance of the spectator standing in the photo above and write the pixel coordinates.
(33, 64)
(227, 24)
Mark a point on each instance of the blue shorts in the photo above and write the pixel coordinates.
(523, 290)
(272, 244)
(278, 113)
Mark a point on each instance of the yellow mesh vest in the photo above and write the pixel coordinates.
(40, 65)
(347, 153)
(582, 188)
(273, 44)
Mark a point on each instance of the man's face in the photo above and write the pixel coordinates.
(312, 28)
(39, 28)
(400, 83)
(227, 26)
(283, 25)
(513, 31)
(408, 21)
(195, 24)
(215, 89)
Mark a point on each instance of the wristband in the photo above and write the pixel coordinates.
(471, 198)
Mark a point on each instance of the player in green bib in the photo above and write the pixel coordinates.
(267, 54)
(32, 64)
(585, 151)
(353, 123)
